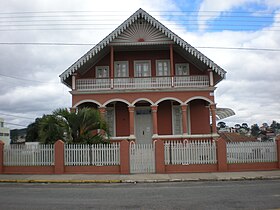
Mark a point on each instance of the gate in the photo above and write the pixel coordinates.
(142, 158)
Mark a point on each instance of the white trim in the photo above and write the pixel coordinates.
(142, 62)
(86, 101)
(117, 100)
(121, 63)
(142, 99)
(168, 98)
(168, 67)
(199, 97)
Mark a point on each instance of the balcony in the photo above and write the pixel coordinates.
(142, 83)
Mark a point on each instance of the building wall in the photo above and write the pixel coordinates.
(4, 133)
(132, 56)
(122, 119)
(164, 118)
(199, 117)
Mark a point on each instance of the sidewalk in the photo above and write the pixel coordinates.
(139, 178)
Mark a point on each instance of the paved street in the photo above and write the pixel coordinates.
(258, 194)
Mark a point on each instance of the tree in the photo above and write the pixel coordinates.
(221, 124)
(255, 130)
(82, 126)
(32, 132)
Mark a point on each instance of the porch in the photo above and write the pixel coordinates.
(143, 83)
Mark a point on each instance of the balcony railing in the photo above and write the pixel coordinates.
(142, 83)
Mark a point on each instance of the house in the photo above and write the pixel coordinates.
(236, 137)
(4, 132)
(148, 83)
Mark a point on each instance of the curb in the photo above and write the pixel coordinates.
(138, 181)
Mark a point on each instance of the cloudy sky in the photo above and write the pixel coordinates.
(40, 39)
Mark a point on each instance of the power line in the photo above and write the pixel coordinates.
(15, 124)
(91, 44)
(28, 80)
(10, 115)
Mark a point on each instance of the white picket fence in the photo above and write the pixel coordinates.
(251, 152)
(190, 152)
(92, 154)
(29, 155)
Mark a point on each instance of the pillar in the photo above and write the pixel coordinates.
(159, 156)
(102, 111)
(59, 157)
(155, 123)
(131, 121)
(1, 157)
(184, 108)
(221, 155)
(278, 150)
(172, 73)
(112, 66)
(124, 157)
(74, 81)
(73, 109)
(213, 114)
(211, 77)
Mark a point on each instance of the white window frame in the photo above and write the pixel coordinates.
(174, 107)
(163, 73)
(183, 72)
(119, 73)
(113, 131)
(104, 74)
(136, 74)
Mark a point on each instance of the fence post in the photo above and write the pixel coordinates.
(1, 157)
(278, 150)
(59, 157)
(159, 156)
(124, 157)
(222, 154)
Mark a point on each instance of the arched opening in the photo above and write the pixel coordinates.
(169, 117)
(199, 116)
(87, 105)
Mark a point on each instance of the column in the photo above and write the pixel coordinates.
(59, 157)
(73, 109)
(112, 66)
(102, 111)
(211, 78)
(131, 121)
(171, 64)
(74, 81)
(184, 108)
(213, 114)
(1, 157)
(155, 123)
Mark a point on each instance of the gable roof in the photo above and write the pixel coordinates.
(159, 29)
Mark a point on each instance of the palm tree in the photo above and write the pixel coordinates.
(84, 126)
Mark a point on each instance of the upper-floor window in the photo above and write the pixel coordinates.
(121, 69)
(182, 69)
(163, 67)
(142, 68)
(102, 71)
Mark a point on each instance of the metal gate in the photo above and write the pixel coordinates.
(142, 158)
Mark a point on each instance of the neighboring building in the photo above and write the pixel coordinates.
(148, 82)
(236, 137)
(4, 132)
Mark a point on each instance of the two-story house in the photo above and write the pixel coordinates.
(148, 82)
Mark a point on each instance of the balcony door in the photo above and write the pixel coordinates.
(143, 125)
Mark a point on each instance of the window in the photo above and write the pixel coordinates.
(121, 69)
(163, 67)
(142, 68)
(110, 119)
(102, 71)
(177, 119)
(182, 69)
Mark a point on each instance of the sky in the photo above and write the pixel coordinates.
(37, 43)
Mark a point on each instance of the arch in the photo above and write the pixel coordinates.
(87, 101)
(169, 98)
(199, 97)
(142, 99)
(117, 99)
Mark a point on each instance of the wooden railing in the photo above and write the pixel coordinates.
(142, 83)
